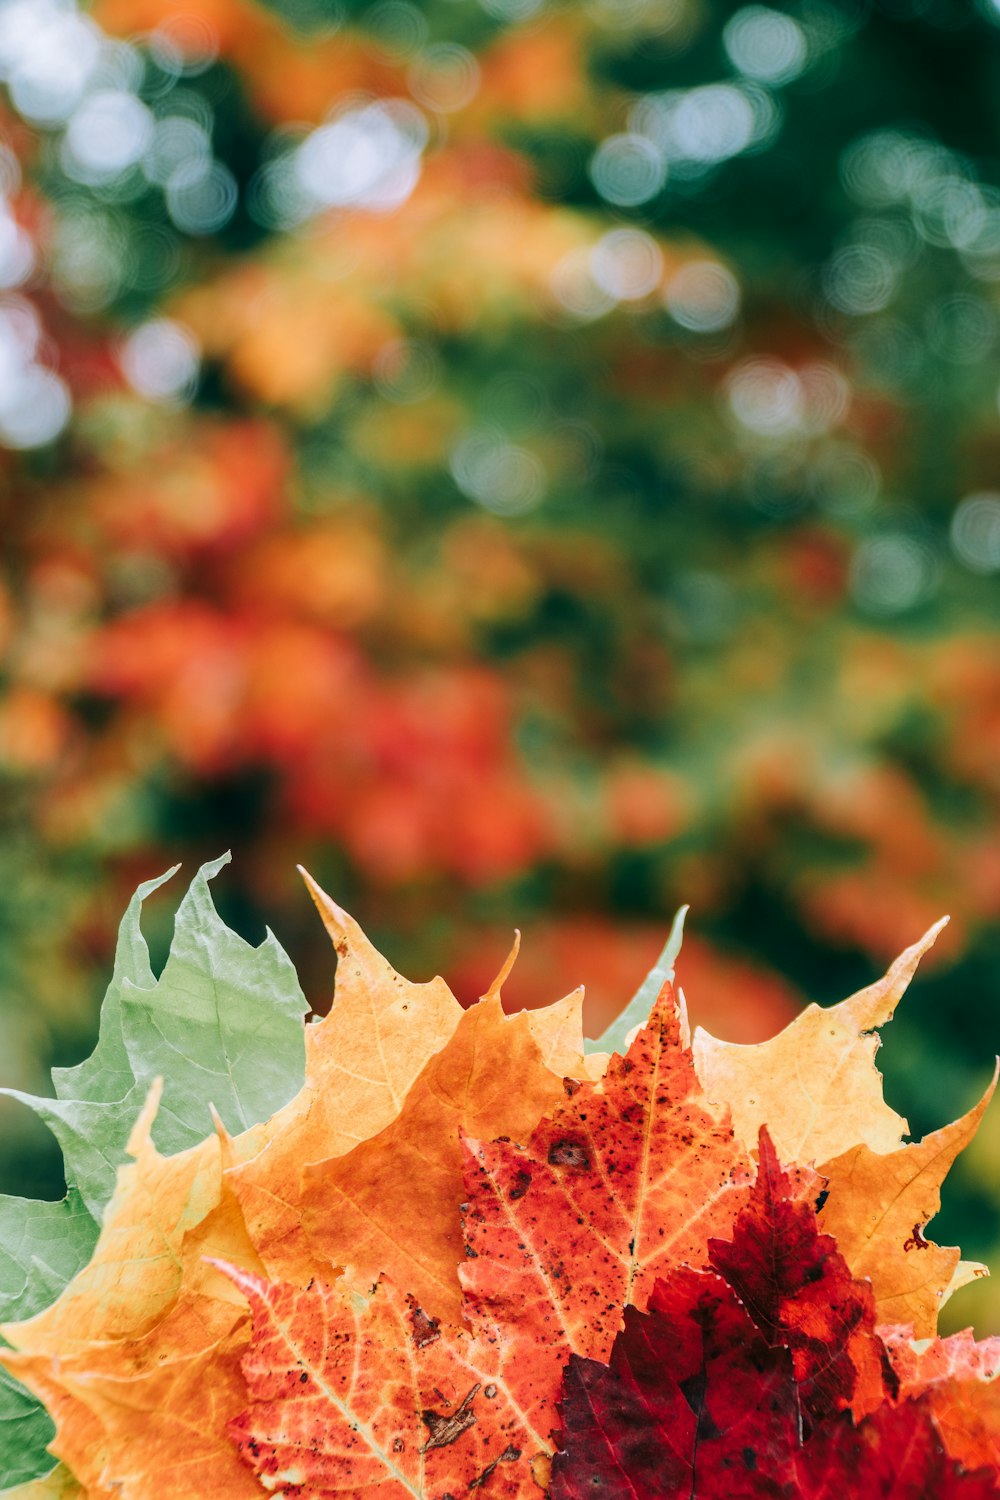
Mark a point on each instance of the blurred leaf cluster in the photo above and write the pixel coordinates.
(533, 463)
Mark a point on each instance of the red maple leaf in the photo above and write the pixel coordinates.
(959, 1379)
(631, 1176)
(800, 1293)
(628, 1176)
(695, 1402)
(748, 1380)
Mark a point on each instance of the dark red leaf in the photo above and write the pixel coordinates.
(799, 1291)
(696, 1403)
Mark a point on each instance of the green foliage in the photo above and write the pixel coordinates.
(193, 1027)
(42, 1245)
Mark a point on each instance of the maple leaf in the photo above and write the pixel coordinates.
(387, 1355)
(696, 1402)
(112, 1357)
(353, 1395)
(957, 1377)
(708, 1391)
(392, 1204)
(123, 1358)
(222, 1026)
(798, 1290)
(338, 1430)
(878, 1207)
(627, 1177)
(814, 1085)
(361, 1062)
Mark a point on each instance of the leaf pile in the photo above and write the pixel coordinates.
(418, 1251)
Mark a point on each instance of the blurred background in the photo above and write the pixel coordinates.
(533, 464)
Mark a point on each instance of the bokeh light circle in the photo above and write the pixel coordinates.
(891, 573)
(500, 476)
(160, 361)
(201, 197)
(626, 264)
(766, 397)
(765, 45)
(444, 78)
(107, 134)
(406, 370)
(365, 158)
(975, 531)
(628, 170)
(859, 279)
(703, 296)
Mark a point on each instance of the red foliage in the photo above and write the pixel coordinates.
(747, 1380)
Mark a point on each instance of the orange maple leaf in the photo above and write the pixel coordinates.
(391, 1205)
(361, 1062)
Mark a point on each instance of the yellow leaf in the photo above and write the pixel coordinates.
(815, 1085)
(144, 1344)
(59, 1485)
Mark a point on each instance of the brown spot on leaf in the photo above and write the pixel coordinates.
(569, 1153)
(425, 1329)
(916, 1240)
(445, 1429)
(522, 1183)
(509, 1455)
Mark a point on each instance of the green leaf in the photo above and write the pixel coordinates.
(107, 1075)
(42, 1245)
(222, 1026)
(97, 1101)
(636, 1012)
(26, 1429)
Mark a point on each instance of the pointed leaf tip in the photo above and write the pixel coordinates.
(338, 923)
(636, 1012)
(245, 1280)
(876, 1003)
(142, 1130)
(494, 991)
